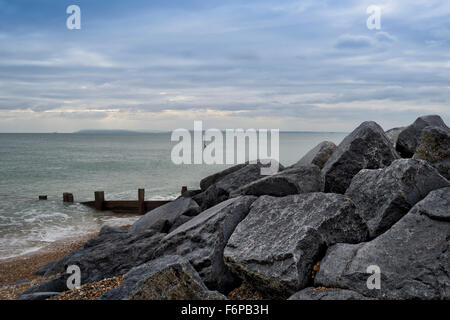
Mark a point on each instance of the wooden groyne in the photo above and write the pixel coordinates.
(139, 206)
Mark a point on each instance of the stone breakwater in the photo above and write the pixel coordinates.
(308, 232)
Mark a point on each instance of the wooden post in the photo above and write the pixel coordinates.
(183, 189)
(141, 200)
(99, 199)
(44, 197)
(67, 197)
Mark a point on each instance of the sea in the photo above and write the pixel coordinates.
(81, 163)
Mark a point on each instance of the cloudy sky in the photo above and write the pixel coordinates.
(160, 65)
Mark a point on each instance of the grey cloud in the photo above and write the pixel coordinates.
(348, 41)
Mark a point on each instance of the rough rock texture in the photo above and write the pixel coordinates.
(393, 134)
(367, 147)
(162, 218)
(326, 294)
(221, 189)
(444, 168)
(181, 220)
(408, 139)
(202, 241)
(434, 147)
(166, 278)
(413, 256)
(205, 183)
(113, 252)
(289, 181)
(318, 156)
(383, 196)
(275, 248)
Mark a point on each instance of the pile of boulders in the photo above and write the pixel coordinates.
(378, 201)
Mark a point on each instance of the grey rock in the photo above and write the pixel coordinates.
(393, 134)
(202, 240)
(38, 296)
(443, 167)
(191, 193)
(290, 181)
(384, 196)
(45, 268)
(205, 183)
(327, 294)
(162, 218)
(367, 147)
(413, 256)
(318, 156)
(408, 139)
(276, 246)
(113, 252)
(165, 278)
(220, 190)
(180, 221)
(434, 147)
(55, 284)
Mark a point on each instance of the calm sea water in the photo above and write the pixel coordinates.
(119, 164)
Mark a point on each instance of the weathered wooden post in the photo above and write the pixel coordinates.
(99, 199)
(141, 200)
(67, 197)
(43, 197)
(183, 189)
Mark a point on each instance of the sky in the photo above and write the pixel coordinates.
(307, 65)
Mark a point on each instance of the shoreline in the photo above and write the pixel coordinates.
(22, 268)
(17, 273)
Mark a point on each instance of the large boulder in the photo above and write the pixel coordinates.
(434, 147)
(393, 134)
(162, 218)
(165, 278)
(275, 248)
(326, 294)
(289, 181)
(113, 252)
(205, 183)
(202, 240)
(383, 196)
(367, 147)
(408, 139)
(413, 256)
(221, 189)
(318, 156)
